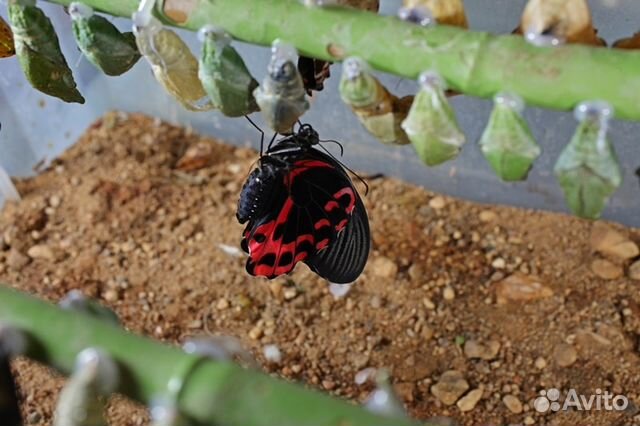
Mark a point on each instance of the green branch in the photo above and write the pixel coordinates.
(475, 63)
(214, 393)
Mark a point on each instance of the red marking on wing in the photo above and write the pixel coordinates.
(322, 223)
(301, 167)
(322, 244)
(331, 205)
(352, 198)
(341, 225)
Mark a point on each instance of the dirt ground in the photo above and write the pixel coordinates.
(470, 307)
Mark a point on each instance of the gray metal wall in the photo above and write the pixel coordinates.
(36, 126)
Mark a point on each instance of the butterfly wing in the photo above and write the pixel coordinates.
(314, 72)
(311, 208)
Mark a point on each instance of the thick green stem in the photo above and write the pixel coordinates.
(475, 63)
(214, 393)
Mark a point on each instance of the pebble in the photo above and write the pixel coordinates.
(328, 384)
(17, 260)
(606, 269)
(487, 216)
(272, 354)
(450, 387)
(222, 304)
(540, 363)
(521, 288)
(375, 302)
(529, 420)
(195, 324)
(54, 201)
(34, 417)
(255, 333)
(634, 271)
(565, 355)
(437, 203)
(474, 349)
(469, 401)
(41, 251)
(111, 296)
(499, 263)
(513, 404)
(448, 293)
(290, 293)
(428, 303)
(384, 267)
(610, 242)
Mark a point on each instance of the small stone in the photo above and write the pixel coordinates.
(111, 296)
(255, 333)
(606, 269)
(34, 417)
(540, 363)
(437, 203)
(448, 293)
(610, 242)
(521, 288)
(469, 401)
(296, 368)
(272, 354)
(450, 387)
(588, 340)
(499, 263)
(487, 216)
(17, 260)
(290, 293)
(513, 404)
(384, 267)
(275, 287)
(41, 251)
(222, 304)
(376, 302)
(195, 324)
(428, 303)
(529, 420)
(328, 384)
(634, 271)
(196, 157)
(473, 349)
(565, 355)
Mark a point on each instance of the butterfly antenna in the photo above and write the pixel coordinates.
(259, 130)
(366, 185)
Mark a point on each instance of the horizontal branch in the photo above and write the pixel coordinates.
(475, 63)
(214, 393)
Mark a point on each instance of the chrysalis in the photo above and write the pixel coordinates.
(431, 124)
(281, 96)
(552, 22)
(7, 47)
(172, 63)
(587, 168)
(632, 42)
(39, 52)
(82, 400)
(507, 142)
(379, 111)
(444, 12)
(9, 407)
(101, 42)
(224, 75)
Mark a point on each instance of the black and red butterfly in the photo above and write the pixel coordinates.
(301, 206)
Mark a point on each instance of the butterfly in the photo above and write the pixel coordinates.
(301, 206)
(314, 72)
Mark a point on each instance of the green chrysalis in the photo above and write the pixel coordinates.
(281, 96)
(431, 124)
(101, 42)
(380, 112)
(507, 142)
(587, 168)
(224, 75)
(39, 53)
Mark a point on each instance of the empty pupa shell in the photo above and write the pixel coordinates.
(551, 22)
(445, 12)
(507, 142)
(380, 112)
(281, 96)
(101, 42)
(431, 124)
(39, 53)
(587, 169)
(224, 75)
(172, 63)
(7, 47)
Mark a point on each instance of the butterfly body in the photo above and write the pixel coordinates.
(301, 206)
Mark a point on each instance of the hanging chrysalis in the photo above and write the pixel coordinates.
(444, 12)
(101, 42)
(76, 301)
(12, 343)
(587, 168)
(172, 63)
(281, 96)
(7, 47)
(553, 22)
(379, 111)
(431, 124)
(632, 42)
(507, 142)
(224, 75)
(39, 53)
(82, 400)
